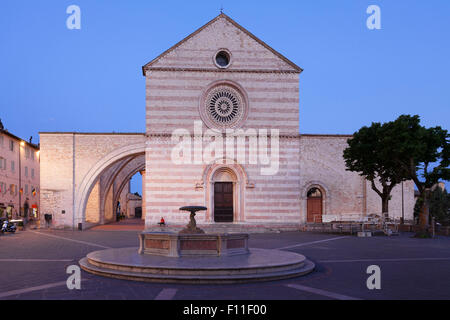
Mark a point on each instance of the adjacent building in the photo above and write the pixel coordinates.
(19, 177)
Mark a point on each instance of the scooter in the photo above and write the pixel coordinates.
(8, 227)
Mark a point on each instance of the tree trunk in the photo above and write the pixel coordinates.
(385, 204)
(385, 195)
(424, 211)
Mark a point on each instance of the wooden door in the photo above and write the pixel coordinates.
(223, 202)
(314, 210)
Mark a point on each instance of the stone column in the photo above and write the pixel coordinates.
(142, 172)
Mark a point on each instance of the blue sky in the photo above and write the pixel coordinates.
(56, 79)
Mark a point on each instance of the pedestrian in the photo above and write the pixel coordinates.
(26, 208)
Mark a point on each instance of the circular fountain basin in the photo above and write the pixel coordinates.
(196, 258)
(257, 265)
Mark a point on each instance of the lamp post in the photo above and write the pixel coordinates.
(403, 206)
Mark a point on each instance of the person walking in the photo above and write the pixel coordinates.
(26, 208)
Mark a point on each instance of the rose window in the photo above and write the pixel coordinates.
(224, 107)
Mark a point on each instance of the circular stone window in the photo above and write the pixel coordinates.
(222, 59)
(223, 106)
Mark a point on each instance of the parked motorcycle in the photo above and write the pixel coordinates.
(8, 227)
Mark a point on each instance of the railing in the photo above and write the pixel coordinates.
(359, 222)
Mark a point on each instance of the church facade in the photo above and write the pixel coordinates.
(222, 131)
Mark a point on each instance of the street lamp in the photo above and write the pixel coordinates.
(403, 206)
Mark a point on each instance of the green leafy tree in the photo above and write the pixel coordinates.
(368, 153)
(439, 206)
(421, 154)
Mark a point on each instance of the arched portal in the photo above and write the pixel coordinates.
(115, 166)
(135, 167)
(109, 198)
(234, 177)
(314, 205)
(224, 182)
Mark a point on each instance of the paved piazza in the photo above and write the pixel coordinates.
(34, 267)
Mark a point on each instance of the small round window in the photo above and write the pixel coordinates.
(222, 59)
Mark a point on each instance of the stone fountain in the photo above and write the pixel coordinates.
(191, 228)
(193, 256)
(192, 241)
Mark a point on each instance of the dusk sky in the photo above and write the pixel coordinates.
(90, 80)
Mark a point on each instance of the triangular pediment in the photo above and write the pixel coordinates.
(197, 51)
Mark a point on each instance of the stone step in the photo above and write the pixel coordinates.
(199, 270)
(259, 265)
(306, 268)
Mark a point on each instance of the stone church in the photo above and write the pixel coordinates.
(222, 131)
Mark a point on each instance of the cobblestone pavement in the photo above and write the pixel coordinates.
(33, 266)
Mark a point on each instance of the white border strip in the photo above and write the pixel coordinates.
(68, 239)
(385, 260)
(36, 260)
(313, 242)
(321, 292)
(31, 289)
(166, 294)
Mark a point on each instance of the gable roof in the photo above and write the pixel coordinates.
(295, 68)
(30, 144)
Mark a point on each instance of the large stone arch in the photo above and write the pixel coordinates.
(106, 180)
(134, 166)
(91, 177)
(102, 201)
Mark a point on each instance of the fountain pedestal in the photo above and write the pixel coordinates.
(192, 241)
(179, 244)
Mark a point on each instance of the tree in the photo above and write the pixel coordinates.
(439, 206)
(368, 153)
(422, 154)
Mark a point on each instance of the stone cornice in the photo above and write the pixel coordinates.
(169, 135)
(166, 134)
(167, 69)
(327, 135)
(98, 133)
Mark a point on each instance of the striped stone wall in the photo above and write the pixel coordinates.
(175, 84)
(173, 99)
(262, 198)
